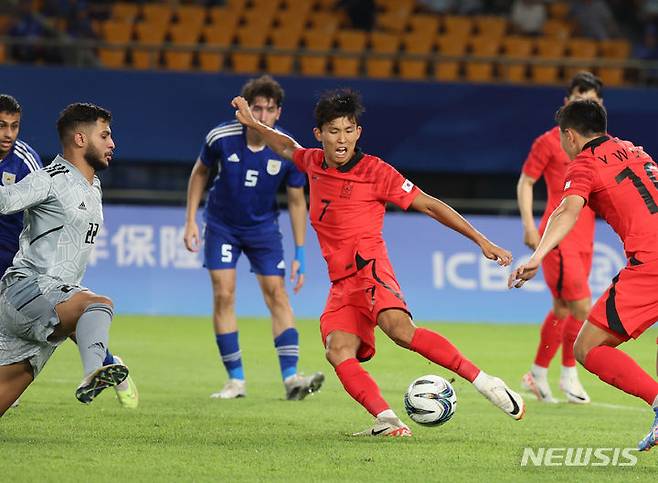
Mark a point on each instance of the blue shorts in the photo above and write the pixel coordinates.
(264, 249)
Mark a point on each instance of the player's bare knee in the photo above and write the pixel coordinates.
(580, 349)
(101, 299)
(224, 298)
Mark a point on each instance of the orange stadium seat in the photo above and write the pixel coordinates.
(235, 5)
(354, 42)
(392, 21)
(614, 49)
(448, 70)
(482, 71)
(560, 29)
(581, 49)
(244, 62)
(491, 26)
(255, 19)
(115, 32)
(455, 26)
(426, 23)
(415, 43)
(516, 48)
(3, 53)
(215, 37)
(152, 34)
(224, 18)
(124, 11)
(192, 15)
(381, 43)
(265, 7)
(315, 64)
(324, 21)
(283, 38)
(299, 7)
(185, 36)
(157, 13)
(547, 49)
(558, 10)
(292, 19)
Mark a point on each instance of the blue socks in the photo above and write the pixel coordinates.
(229, 350)
(287, 348)
(109, 358)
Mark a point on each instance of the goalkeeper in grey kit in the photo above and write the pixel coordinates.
(41, 300)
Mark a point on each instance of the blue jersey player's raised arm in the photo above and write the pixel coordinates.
(241, 215)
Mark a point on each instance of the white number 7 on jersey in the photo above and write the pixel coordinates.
(251, 178)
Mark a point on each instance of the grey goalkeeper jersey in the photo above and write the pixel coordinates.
(63, 215)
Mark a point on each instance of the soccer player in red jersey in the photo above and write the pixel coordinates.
(349, 191)
(619, 181)
(566, 267)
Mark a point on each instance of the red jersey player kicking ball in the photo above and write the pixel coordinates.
(619, 181)
(349, 191)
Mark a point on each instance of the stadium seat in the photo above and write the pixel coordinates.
(283, 38)
(3, 53)
(582, 49)
(251, 38)
(392, 21)
(224, 18)
(415, 43)
(381, 43)
(152, 34)
(118, 33)
(292, 19)
(192, 15)
(298, 7)
(354, 42)
(516, 48)
(614, 49)
(181, 35)
(456, 26)
(560, 29)
(491, 26)
(265, 7)
(157, 13)
(547, 49)
(256, 20)
(482, 71)
(236, 6)
(315, 64)
(558, 10)
(215, 36)
(448, 70)
(324, 21)
(426, 23)
(124, 11)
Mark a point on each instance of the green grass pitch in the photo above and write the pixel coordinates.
(180, 434)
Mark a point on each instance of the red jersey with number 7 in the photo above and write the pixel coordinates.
(348, 205)
(619, 181)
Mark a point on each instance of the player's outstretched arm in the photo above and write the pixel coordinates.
(298, 214)
(195, 187)
(559, 225)
(278, 142)
(524, 197)
(30, 191)
(447, 216)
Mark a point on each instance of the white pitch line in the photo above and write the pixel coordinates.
(617, 406)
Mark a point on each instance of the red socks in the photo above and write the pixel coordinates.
(569, 333)
(361, 386)
(618, 369)
(549, 340)
(440, 350)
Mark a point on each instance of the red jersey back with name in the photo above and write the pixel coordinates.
(348, 206)
(548, 159)
(619, 181)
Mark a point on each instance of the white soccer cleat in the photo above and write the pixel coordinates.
(497, 392)
(298, 386)
(385, 426)
(539, 387)
(233, 388)
(573, 389)
(126, 392)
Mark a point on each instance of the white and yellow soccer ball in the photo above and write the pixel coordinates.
(430, 400)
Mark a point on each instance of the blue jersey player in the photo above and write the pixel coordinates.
(241, 216)
(17, 160)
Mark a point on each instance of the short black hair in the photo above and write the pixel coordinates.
(9, 104)
(587, 117)
(338, 103)
(585, 81)
(263, 86)
(80, 113)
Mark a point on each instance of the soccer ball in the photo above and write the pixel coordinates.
(430, 401)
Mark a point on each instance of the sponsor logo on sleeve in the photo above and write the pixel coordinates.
(567, 185)
(407, 186)
(8, 178)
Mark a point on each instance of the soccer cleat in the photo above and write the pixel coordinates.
(539, 387)
(573, 389)
(298, 387)
(386, 427)
(651, 439)
(497, 392)
(126, 392)
(102, 378)
(233, 388)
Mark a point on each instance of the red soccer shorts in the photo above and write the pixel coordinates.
(354, 303)
(630, 305)
(567, 273)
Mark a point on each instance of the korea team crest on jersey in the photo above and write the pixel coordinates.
(273, 166)
(8, 178)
